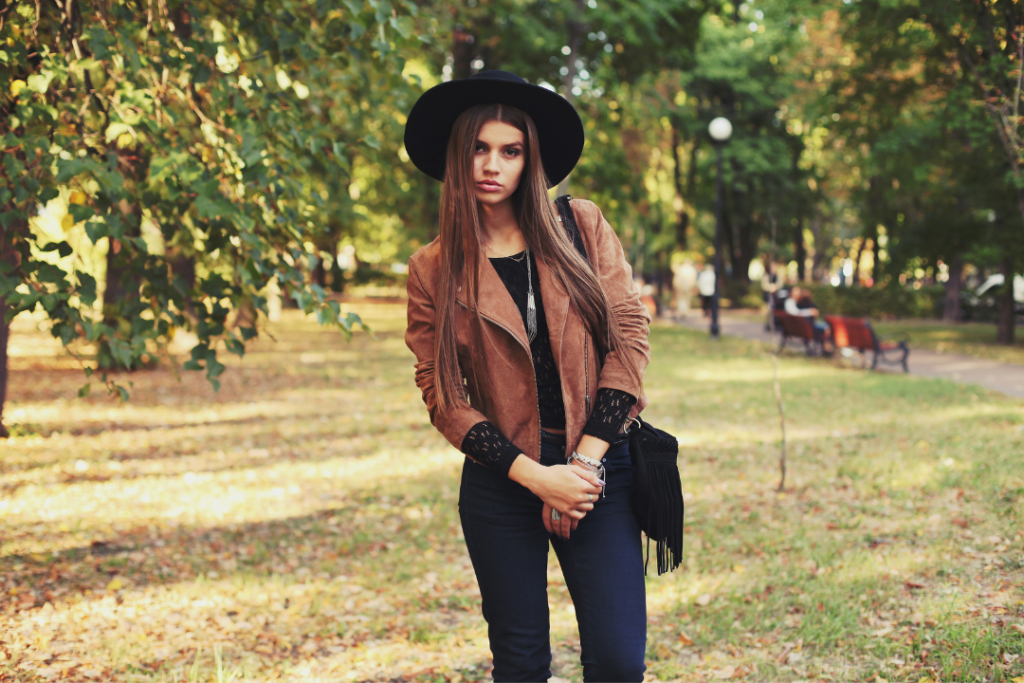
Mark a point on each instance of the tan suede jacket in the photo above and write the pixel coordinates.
(505, 361)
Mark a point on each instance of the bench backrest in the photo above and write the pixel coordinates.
(796, 326)
(855, 333)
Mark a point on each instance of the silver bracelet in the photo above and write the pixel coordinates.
(596, 466)
(585, 460)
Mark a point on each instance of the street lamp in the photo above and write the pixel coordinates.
(720, 130)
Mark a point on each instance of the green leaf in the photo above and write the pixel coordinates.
(40, 82)
(81, 212)
(69, 168)
(48, 193)
(84, 390)
(62, 248)
(234, 346)
(248, 333)
(96, 230)
(404, 25)
(114, 130)
(202, 74)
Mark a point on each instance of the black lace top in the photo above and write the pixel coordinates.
(549, 384)
(488, 446)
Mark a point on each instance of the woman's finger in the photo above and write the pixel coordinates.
(565, 526)
(546, 517)
(588, 476)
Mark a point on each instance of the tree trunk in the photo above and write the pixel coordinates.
(801, 252)
(574, 34)
(951, 309)
(120, 291)
(1005, 331)
(855, 278)
(5, 331)
(819, 250)
(319, 275)
(462, 52)
(747, 251)
(683, 218)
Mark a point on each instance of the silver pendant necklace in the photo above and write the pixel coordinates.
(531, 305)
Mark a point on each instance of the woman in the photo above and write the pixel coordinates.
(530, 361)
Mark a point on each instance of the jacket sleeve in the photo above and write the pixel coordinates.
(455, 421)
(624, 299)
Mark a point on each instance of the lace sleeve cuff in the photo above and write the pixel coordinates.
(489, 447)
(611, 408)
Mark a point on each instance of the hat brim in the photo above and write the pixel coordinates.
(559, 128)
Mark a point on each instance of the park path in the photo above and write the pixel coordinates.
(1003, 377)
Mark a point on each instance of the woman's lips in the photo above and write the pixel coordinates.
(488, 186)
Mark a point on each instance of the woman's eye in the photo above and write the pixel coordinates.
(512, 152)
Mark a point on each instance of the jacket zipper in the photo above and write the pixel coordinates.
(529, 354)
(586, 370)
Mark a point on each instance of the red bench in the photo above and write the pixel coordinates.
(799, 328)
(857, 334)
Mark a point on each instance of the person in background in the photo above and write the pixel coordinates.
(773, 285)
(684, 277)
(800, 304)
(648, 299)
(706, 288)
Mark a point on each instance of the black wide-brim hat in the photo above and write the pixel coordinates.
(430, 122)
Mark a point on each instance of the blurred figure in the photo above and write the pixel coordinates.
(648, 300)
(684, 277)
(706, 288)
(800, 304)
(773, 285)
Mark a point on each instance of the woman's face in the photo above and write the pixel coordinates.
(498, 160)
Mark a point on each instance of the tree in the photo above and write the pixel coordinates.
(229, 131)
(909, 103)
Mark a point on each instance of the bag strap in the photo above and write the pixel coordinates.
(569, 223)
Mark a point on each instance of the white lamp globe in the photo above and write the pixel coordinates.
(720, 129)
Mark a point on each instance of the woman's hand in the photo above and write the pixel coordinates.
(562, 527)
(568, 489)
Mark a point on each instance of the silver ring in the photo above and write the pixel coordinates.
(590, 497)
(555, 515)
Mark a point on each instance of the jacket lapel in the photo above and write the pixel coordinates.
(496, 304)
(556, 308)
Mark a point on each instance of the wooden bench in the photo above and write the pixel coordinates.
(857, 334)
(799, 328)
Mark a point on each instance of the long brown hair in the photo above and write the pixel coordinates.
(460, 233)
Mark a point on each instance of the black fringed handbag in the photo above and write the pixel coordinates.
(657, 490)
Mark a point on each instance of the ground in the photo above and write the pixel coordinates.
(301, 524)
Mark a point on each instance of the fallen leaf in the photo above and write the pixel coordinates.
(704, 600)
(685, 639)
(115, 585)
(913, 585)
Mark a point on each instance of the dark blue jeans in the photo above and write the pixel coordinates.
(602, 563)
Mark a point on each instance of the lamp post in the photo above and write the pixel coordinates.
(720, 130)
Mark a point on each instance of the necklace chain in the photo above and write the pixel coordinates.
(531, 303)
(511, 258)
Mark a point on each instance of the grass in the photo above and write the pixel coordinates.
(301, 524)
(969, 339)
